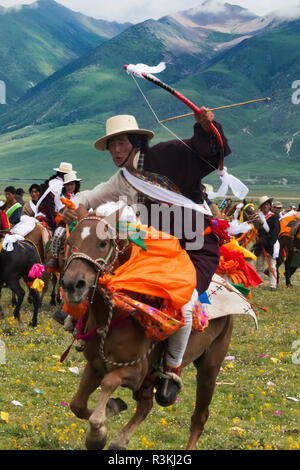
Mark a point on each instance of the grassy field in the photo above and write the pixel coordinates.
(255, 404)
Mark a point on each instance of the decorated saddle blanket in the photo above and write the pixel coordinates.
(286, 225)
(224, 299)
(160, 323)
(164, 271)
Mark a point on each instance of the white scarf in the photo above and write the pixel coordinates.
(55, 187)
(229, 181)
(263, 219)
(164, 195)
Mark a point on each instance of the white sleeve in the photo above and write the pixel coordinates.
(100, 194)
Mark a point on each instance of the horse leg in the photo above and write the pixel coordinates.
(13, 299)
(96, 433)
(36, 306)
(287, 273)
(53, 292)
(208, 366)
(58, 296)
(46, 277)
(144, 406)
(1, 309)
(20, 293)
(90, 380)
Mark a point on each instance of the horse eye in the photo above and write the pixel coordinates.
(103, 244)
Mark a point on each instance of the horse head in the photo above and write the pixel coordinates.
(94, 248)
(245, 212)
(249, 213)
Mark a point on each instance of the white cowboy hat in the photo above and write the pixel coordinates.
(70, 177)
(264, 199)
(64, 167)
(208, 187)
(122, 124)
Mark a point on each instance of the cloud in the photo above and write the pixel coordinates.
(141, 10)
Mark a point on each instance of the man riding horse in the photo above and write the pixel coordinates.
(171, 163)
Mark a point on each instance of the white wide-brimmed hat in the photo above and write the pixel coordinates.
(70, 177)
(64, 167)
(122, 124)
(264, 199)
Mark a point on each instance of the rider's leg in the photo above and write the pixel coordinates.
(168, 388)
(56, 246)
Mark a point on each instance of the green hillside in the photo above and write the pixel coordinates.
(40, 38)
(61, 118)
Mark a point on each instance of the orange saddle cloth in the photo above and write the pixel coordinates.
(286, 225)
(163, 271)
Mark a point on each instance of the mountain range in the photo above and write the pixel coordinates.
(42, 37)
(213, 57)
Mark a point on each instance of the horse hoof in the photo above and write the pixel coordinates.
(114, 407)
(33, 324)
(114, 446)
(95, 438)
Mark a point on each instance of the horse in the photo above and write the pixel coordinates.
(289, 239)
(118, 352)
(40, 237)
(245, 212)
(14, 266)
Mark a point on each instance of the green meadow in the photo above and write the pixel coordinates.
(255, 405)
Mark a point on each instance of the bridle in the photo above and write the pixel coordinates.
(101, 265)
(104, 266)
(251, 217)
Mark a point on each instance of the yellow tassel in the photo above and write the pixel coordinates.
(38, 285)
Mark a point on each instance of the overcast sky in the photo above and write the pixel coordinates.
(140, 10)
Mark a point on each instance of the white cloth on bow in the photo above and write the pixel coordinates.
(138, 69)
(238, 188)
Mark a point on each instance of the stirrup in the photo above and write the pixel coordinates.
(168, 385)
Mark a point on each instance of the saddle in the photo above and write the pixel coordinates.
(289, 227)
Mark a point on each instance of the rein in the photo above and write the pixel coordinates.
(101, 265)
(109, 301)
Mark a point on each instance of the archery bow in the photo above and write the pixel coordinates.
(216, 109)
(148, 76)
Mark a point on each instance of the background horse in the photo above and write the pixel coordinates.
(14, 266)
(246, 212)
(123, 355)
(289, 239)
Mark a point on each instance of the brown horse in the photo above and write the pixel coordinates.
(40, 237)
(247, 212)
(123, 355)
(289, 239)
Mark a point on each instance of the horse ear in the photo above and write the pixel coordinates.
(113, 219)
(82, 211)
